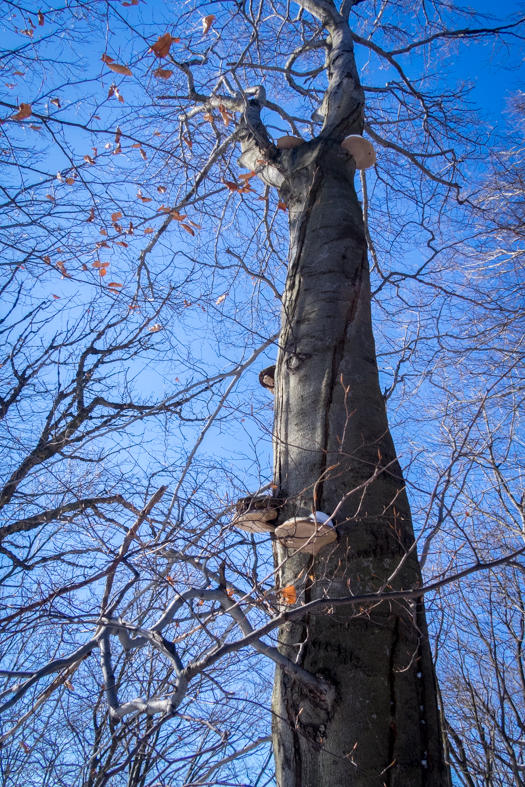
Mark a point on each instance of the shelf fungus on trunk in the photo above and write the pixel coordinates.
(361, 149)
(287, 143)
(308, 534)
(267, 378)
(256, 514)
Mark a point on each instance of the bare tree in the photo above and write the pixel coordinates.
(147, 283)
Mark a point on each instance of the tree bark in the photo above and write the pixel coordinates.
(331, 435)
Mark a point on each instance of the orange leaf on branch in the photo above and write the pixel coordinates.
(114, 91)
(163, 73)
(289, 594)
(40, 18)
(91, 216)
(188, 229)
(107, 59)
(161, 47)
(231, 185)
(247, 176)
(89, 159)
(176, 215)
(207, 23)
(56, 102)
(116, 216)
(225, 114)
(24, 111)
(120, 69)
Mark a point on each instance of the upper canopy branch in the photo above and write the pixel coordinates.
(343, 104)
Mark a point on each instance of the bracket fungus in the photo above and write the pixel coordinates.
(361, 149)
(256, 514)
(287, 143)
(267, 378)
(308, 534)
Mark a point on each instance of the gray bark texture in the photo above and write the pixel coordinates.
(377, 724)
(330, 437)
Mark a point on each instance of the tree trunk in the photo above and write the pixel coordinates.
(331, 434)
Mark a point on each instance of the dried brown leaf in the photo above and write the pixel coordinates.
(161, 47)
(289, 594)
(24, 111)
(120, 69)
(207, 23)
(163, 73)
